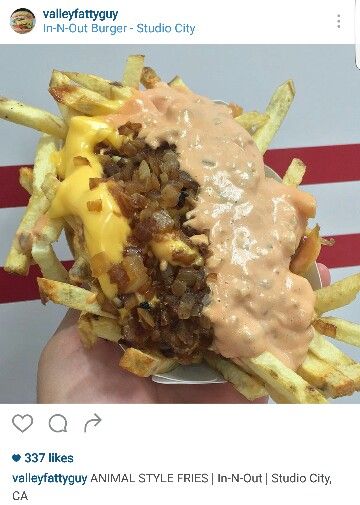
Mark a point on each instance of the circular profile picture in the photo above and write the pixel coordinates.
(22, 20)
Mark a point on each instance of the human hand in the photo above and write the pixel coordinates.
(68, 373)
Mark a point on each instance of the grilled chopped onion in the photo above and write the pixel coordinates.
(100, 264)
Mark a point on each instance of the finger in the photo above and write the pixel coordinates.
(324, 274)
(70, 374)
(70, 319)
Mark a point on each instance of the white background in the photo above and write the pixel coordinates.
(326, 111)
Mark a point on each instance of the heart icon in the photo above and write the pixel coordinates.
(22, 423)
(16, 457)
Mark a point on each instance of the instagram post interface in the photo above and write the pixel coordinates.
(180, 253)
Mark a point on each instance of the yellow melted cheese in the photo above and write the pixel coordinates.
(105, 231)
(168, 245)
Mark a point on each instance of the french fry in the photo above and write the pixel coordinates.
(19, 257)
(87, 335)
(337, 295)
(50, 185)
(70, 235)
(81, 99)
(44, 161)
(57, 80)
(252, 121)
(43, 253)
(71, 296)
(324, 326)
(103, 327)
(102, 86)
(80, 271)
(74, 237)
(133, 70)
(353, 372)
(245, 384)
(177, 82)
(327, 241)
(145, 363)
(26, 177)
(47, 230)
(276, 396)
(16, 261)
(35, 118)
(284, 381)
(295, 173)
(276, 110)
(85, 101)
(51, 268)
(324, 241)
(67, 113)
(93, 327)
(325, 377)
(328, 352)
(149, 77)
(339, 329)
(307, 252)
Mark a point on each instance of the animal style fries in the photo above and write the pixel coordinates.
(183, 250)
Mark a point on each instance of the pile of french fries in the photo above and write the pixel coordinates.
(326, 372)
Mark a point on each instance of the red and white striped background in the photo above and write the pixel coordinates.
(327, 167)
(332, 177)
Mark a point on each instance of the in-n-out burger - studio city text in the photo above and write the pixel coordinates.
(92, 21)
(180, 28)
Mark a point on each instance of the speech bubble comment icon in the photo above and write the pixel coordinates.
(58, 423)
(22, 423)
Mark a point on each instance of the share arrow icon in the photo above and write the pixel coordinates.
(94, 422)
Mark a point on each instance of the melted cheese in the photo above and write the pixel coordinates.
(105, 231)
(169, 244)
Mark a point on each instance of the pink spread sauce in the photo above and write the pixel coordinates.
(254, 224)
